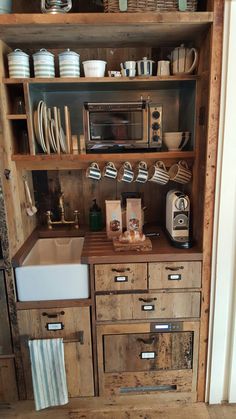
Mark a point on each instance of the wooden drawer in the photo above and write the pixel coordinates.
(148, 351)
(8, 389)
(77, 345)
(53, 323)
(123, 371)
(148, 306)
(174, 275)
(121, 277)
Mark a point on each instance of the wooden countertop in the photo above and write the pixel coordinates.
(97, 249)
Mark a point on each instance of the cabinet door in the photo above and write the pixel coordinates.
(148, 306)
(134, 360)
(5, 335)
(174, 275)
(131, 276)
(8, 389)
(33, 324)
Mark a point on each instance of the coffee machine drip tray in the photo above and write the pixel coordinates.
(180, 242)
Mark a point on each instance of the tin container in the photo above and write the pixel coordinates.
(44, 64)
(69, 64)
(5, 6)
(18, 64)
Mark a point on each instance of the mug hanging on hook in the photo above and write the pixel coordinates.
(56, 6)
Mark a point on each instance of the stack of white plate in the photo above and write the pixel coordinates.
(69, 64)
(175, 141)
(48, 131)
(44, 64)
(18, 64)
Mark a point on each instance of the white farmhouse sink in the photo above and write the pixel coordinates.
(52, 271)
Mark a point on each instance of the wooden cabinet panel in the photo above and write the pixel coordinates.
(121, 277)
(148, 306)
(121, 371)
(174, 275)
(77, 345)
(8, 389)
(5, 335)
(148, 352)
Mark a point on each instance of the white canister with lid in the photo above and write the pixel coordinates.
(18, 64)
(44, 64)
(69, 64)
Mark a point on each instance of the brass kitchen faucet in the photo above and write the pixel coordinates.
(62, 220)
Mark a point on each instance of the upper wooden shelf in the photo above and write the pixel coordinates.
(102, 29)
(79, 161)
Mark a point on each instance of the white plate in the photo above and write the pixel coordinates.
(40, 122)
(62, 139)
(53, 135)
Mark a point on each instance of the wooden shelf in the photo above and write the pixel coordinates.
(16, 117)
(70, 161)
(102, 29)
(113, 80)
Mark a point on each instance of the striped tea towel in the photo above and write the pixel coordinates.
(48, 372)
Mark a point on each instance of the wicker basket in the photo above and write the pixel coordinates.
(135, 6)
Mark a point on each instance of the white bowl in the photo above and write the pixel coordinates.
(94, 68)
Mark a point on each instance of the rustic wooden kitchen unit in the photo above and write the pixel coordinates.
(142, 330)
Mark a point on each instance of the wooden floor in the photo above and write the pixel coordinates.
(119, 409)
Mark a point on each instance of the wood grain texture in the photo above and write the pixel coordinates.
(78, 356)
(158, 306)
(97, 249)
(8, 389)
(107, 277)
(174, 275)
(211, 153)
(133, 407)
(5, 334)
(97, 29)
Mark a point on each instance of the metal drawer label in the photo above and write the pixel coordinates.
(174, 277)
(148, 355)
(121, 278)
(54, 326)
(148, 307)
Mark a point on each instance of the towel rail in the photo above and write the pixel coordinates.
(78, 339)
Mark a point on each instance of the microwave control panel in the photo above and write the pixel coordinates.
(155, 125)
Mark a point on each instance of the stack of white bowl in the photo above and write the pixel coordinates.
(175, 141)
(18, 64)
(44, 64)
(69, 64)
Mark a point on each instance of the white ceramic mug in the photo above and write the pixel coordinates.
(176, 140)
(158, 173)
(141, 172)
(110, 171)
(126, 173)
(180, 172)
(93, 172)
(163, 68)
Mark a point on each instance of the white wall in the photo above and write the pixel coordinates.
(222, 348)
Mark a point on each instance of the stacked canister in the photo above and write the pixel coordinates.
(69, 64)
(44, 64)
(18, 64)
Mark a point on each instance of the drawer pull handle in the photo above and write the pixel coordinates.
(174, 268)
(147, 300)
(53, 315)
(120, 270)
(149, 341)
(81, 337)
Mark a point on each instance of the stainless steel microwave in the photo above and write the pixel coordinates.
(115, 126)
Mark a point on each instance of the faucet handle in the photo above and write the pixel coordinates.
(76, 213)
